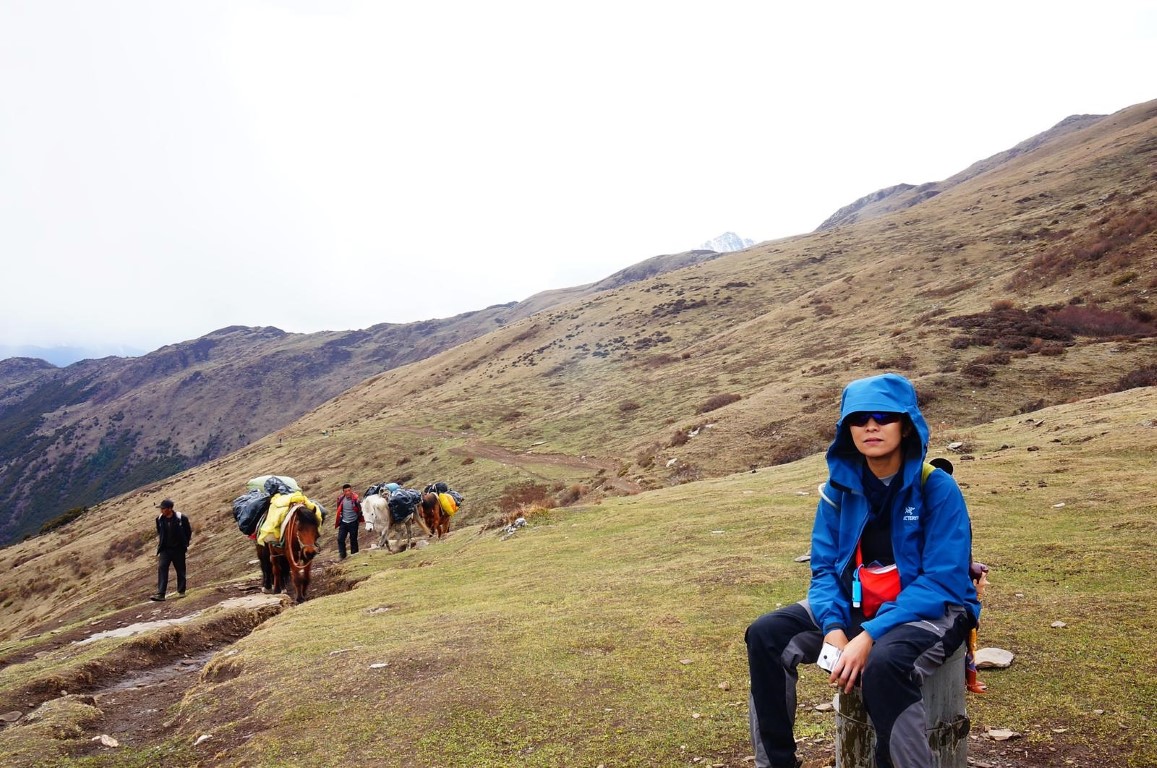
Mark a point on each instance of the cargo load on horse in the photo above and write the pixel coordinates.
(402, 503)
(439, 503)
(249, 508)
(283, 496)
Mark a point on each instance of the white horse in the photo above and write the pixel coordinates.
(376, 510)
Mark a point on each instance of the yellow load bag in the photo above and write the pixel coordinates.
(449, 506)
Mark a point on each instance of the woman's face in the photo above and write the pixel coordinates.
(874, 439)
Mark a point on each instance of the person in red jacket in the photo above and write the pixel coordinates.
(348, 518)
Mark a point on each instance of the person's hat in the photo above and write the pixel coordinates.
(167, 504)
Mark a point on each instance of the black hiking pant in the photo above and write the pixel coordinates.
(897, 666)
(165, 558)
(345, 529)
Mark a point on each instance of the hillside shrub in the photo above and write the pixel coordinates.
(63, 519)
(1142, 377)
(718, 401)
(1009, 328)
(1109, 241)
(524, 494)
(977, 374)
(902, 362)
(994, 358)
(629, 405)
(683, 473)
(570, 494)
(129, 547)
(794, 449)
(1090, 320)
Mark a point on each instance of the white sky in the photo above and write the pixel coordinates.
(169, 168)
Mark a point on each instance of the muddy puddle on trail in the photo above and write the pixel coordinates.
(156, 676)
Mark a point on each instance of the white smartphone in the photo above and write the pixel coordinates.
(829, 655)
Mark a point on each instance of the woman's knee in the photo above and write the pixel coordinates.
(776, 629)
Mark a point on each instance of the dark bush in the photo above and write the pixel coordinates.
(976, 373)
(718, 401)
(1142, 377)
(63, 519)
(526, 494)
(1091, 320)
(994, 358)
(900, 363)
(570, 494)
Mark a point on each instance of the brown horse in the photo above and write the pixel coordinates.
(434, 518)
(293, 560)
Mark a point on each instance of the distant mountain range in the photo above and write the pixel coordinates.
(67, 355)
(1025, 284)
(104, 425)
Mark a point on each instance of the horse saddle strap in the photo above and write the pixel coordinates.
(285, 522)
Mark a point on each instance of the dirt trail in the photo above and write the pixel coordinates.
(605, 470)
(135, 686)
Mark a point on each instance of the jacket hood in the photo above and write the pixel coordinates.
(888, 392)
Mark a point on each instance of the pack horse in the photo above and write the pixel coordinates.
(392, 514)
(291, 558)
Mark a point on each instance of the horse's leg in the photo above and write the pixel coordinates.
(300, 582)
(409, 532)
(280, 575)
(303, 585)
(266, 568)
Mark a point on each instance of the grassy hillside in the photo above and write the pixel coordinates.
(1020, 303)
(612, 634)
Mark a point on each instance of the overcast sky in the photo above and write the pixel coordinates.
(169, 168)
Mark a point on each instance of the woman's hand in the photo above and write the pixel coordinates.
(836, 637)
(853, 659)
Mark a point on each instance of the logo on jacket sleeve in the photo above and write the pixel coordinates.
(910, 515)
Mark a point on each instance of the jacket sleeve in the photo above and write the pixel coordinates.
(187, 527)
(942, 578)
(829, 604)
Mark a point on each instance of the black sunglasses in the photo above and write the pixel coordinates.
(860, 418)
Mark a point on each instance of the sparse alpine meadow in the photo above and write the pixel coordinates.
(663, 440)
(612, 634)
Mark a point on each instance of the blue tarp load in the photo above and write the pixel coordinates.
(249, 509)
(402, 503)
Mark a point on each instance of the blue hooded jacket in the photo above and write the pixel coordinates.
(931, 533)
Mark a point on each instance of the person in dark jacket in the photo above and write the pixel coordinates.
(348, 518)
(876, 512)
(173, 536)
